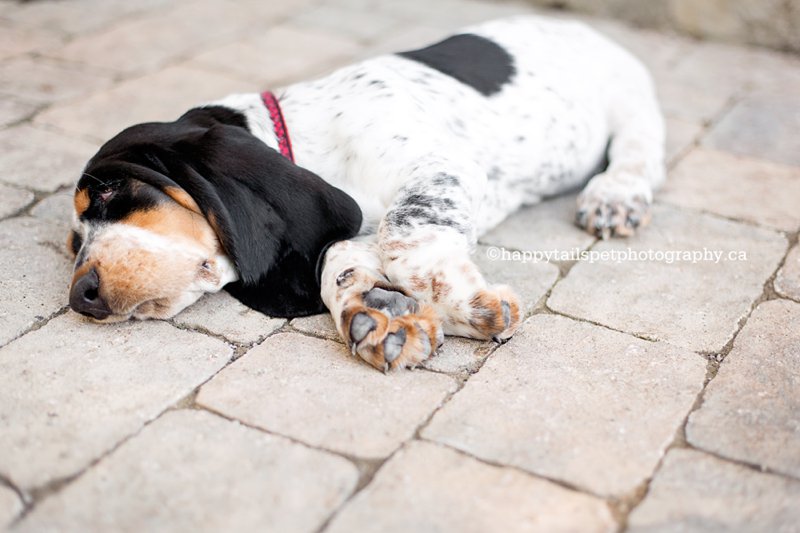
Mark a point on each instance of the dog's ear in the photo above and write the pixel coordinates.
(273, 218)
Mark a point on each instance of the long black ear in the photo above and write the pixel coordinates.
(273, 218)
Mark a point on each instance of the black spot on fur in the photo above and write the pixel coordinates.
(473, 60)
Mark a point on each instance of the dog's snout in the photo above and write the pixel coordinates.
(84, 297)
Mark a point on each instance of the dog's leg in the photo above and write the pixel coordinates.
(376, 319)
(425, 241)
(617, 201)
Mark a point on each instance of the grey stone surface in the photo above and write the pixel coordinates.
(787, 282)
(293, 52)
(15, 109)
(35, 275)
(72, 390)
(163, 95)
(223, 315)
(430, 488)
(38, 80)
(43, 160)
(13, 199)
(10, 505)
(696, 305)
(695, 492)
(249, 481)
(18, 41)
(459, 355)
(352, 23)
(63, 18)
(154, 39)
(751, 409)
(763, 126)
(681, 136)
(726, 184)
(319, 325)
(58, 208)
(574, 402)
(545, 226)
(315, 391)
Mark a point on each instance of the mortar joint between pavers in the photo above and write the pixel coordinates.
(761, 469)
(54, 486)
(528, 473)
(39, 324)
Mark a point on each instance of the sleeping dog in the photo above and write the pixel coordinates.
(365, 191)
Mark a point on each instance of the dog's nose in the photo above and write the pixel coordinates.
(84, 297)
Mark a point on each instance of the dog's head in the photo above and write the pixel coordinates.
(165, 212)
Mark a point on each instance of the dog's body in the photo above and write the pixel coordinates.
(433, 147)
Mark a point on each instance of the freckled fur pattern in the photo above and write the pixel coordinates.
(435, 151)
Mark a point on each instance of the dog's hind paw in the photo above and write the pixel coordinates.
(389, 330)
(613, 206)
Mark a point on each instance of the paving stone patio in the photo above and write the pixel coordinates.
(639, 395)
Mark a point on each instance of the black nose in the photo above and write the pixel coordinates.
(85, 298)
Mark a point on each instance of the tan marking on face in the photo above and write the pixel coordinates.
(173, 221)
(134, 276)
(81, 201)
(183, 199)
(80, 271)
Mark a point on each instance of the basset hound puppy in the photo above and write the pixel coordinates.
(364, 191)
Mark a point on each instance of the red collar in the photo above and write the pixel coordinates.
(281, 133)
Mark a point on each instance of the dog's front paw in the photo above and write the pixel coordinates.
(389, 330)
(613, 206)
(495, 313)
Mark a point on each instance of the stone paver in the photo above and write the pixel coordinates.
(47, 81)
(763, 126)
(787, 282)
(164, 95)
(681, 135)
(315, 391)
(223, 315)
(459, 355)
(546, 226)
(59, 208)
(319, 325)
(574, 402)
(18, 41)
(13, 199)
(726, 184)
(695, 492)
(751, 409)
(249, 481)
(61, 17)
(14, 110)
(35, 288)
(10, 506)
(154, 38)
(355, 24)
(685, 99)
(430, 488)
(71, 390)
(38, 159)
(694, 305)
(288, 52)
